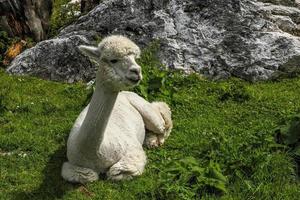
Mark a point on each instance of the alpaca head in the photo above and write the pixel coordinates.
(115, 56)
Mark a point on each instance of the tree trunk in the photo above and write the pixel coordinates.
(26, 18)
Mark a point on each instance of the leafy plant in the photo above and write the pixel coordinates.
(235, 91)
(289, 133)
(63, 14)
(159, 82)
(289, 136)
(187, 178)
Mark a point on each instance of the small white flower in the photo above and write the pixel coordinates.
(23, 155)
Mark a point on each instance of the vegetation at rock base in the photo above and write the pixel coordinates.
(5, 41)
(224, 144)
(10, 47)
(63, 14)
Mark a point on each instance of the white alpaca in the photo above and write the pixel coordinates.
(108, 135)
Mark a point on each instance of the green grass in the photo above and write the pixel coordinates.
(222, 145)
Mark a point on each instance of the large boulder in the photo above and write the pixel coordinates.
(244, 38)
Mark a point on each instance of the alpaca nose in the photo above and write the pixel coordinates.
(135, 71)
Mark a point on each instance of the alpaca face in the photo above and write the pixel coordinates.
(116, 57)
(123, 71)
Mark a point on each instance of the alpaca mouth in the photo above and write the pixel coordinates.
(133, 80)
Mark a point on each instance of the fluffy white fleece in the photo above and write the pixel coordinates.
(109, 134)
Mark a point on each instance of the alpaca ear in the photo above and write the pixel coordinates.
(90, 51)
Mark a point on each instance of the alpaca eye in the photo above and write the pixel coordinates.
(114, 61)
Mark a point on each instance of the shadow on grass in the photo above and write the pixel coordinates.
(53, 186)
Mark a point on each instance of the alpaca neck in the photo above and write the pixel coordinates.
(94, 125)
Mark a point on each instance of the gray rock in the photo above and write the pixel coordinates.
(243, 38)
(57, 59)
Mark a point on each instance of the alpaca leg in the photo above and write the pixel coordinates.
(165, 112)
(151, 140)
(76, 174)
(128, 167)
(151, 116)
(154, 140)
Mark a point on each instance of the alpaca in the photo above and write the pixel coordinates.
(108, 135)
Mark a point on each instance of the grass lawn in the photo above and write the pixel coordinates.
(222, 145)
